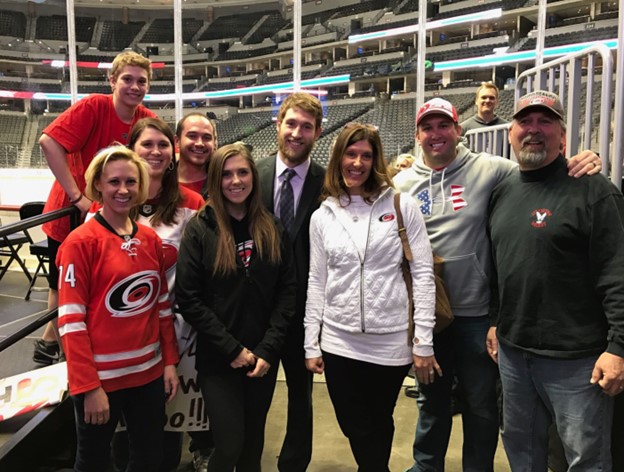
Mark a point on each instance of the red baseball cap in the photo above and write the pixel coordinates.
(437, 106)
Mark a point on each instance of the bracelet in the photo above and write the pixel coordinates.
(73, 202)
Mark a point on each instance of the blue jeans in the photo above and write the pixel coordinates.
(459, 349)
(537, 390)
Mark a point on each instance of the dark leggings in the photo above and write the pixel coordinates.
(144, 411)
(237, 409)
(172, 448)
(364, 396)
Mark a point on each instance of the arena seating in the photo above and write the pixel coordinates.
(117, 36)
(580, 36)
(268, 26)
(12, 24)
(55, 28)
(231, 26)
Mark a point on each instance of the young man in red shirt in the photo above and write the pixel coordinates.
(69, 144)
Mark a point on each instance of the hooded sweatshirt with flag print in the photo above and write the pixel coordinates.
(454, 203)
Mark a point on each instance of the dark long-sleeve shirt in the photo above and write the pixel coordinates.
(558, 248)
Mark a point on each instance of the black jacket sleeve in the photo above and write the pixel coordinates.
(193, 292)
(283, 310)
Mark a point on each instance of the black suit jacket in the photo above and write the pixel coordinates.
(308, 203)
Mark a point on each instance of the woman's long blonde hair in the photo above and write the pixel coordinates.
(262, 227)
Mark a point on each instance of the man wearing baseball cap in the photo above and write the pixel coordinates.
(558, 250)
(453, 186)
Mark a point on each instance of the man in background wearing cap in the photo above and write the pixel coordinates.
(453, 187)
(558, 247)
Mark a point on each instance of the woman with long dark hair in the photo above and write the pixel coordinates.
(168, 209)
(236, 286)
(357, 316)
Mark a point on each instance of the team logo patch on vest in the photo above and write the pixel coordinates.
(539, 217)
(386, 217)
(134, 295)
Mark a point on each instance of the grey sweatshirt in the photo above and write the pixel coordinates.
(454, 203)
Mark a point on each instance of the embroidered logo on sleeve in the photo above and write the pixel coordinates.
(538, 217)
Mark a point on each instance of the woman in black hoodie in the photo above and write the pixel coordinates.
(236, 286)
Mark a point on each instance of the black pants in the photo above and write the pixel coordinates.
(172, 448)
(237, 409)
(296, 450)
(364, 396)
(143, 409)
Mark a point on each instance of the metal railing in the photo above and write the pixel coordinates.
(26, 224)
(564, 76)
(491, 139)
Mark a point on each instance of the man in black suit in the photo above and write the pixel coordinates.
(298, 127)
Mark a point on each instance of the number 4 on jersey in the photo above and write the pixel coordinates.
(70, 276)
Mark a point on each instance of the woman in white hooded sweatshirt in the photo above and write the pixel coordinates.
(356, 322)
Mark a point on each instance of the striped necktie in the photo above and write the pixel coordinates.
(287, 201)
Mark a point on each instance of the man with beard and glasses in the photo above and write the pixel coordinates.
(453, 186)
(558, 249)
(291, 176)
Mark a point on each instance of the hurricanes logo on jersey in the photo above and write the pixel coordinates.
(170, 254)
(134, 295)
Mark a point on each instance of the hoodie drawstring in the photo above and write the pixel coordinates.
(441, 189)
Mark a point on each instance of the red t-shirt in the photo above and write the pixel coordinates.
(83, 129)
(196, 186)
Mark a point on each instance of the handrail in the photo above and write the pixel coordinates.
(29, 328)
(22, 225)
(564, 77)
(28, 223)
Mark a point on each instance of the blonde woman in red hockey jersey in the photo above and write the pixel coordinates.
(115, 319)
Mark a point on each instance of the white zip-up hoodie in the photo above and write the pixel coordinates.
(367, 294)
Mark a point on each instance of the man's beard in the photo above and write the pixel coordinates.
(531, 159)
(288, 154)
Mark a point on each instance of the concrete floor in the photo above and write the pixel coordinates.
(331, 451)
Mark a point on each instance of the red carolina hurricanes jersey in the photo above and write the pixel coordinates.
(115, 319)
(170, 235)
